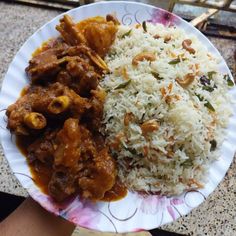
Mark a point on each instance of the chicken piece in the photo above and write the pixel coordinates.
(43, 148)
(100, 178)
(46, 103)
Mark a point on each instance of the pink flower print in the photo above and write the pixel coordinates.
(152, 204)
(171, 207)
(67, 202)
(138, 230)
(83, 213)
(176, 201)
(171, 212)
(45, 201)
(164, 17)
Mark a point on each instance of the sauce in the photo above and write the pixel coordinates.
(45, 45)
(24, 91)
(117, 192)
(41, 173)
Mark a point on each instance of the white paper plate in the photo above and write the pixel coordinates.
(134, 212)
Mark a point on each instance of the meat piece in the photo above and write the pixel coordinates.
(64, 78)
(88, 148)
(69, 32)
(45, 65)
(94, 115)
(83, 65)
(54, 43)
(87, 83)
(74, 69)
(50, 102)
(74, 145)
(68, 145)
(64, 75)
(48, 61)
(82, 51)
(100, 178)
(99, 141)
(96, 32)
(84, 79)
(21, 118)
(62, 184)
(79, 74)
(89, 56)
(79, 166)
(43, 148)
(16, 113)
(39, 97)
(66, 159)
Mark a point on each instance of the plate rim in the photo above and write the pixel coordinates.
(56, 18)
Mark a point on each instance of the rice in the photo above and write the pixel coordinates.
(185, 125)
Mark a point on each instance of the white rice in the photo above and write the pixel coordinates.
(176, 156)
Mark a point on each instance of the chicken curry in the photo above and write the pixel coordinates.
(58, 117)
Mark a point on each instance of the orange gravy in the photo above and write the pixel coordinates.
(41, 174)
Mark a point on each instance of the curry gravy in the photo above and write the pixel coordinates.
(41, 174)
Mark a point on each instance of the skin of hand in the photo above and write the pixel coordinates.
(31, 219)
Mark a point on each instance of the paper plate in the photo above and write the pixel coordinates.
(135, 212)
